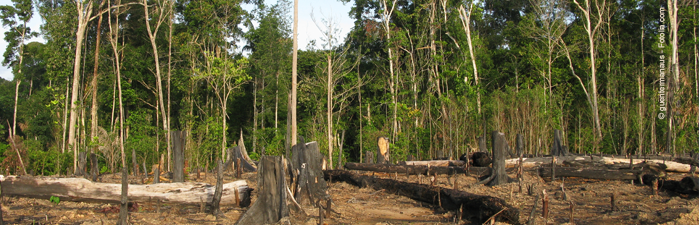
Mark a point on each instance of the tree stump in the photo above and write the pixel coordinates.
(82, 162)
(124, 209)
(499, 174)
(520, 144)
(270, 206)
(557, 146)
(369, 158)
(134, 163)
(307, 162)
(178, 142)
(95, 171)
(384, 153)
(216, 202)
(236, 153)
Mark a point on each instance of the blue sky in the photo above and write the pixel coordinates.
(307, 29)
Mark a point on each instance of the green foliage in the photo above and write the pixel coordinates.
(54, 200)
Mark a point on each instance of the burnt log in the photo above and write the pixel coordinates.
(480, 159)
(417, 169)
(475, 208)
(590, 173)
(270, 205)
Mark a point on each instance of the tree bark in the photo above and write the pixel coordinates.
(499, 174)
(476, 208)
(178, 138)
(307, 162)
(270, 205)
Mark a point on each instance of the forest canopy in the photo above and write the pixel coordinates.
(432, 76)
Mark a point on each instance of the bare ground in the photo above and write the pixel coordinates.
(635, 205)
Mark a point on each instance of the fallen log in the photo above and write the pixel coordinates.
(83, 190)
(414, 170)
(589, 173)
(434, 163)
(475, 208)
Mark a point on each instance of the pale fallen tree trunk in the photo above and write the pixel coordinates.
(434, 163)
(83, 190)
(672, 166)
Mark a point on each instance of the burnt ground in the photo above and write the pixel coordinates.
(635, 204)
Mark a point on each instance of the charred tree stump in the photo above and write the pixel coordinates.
(156, 174)
(520, 144)
(94, 167)
(178, 142)
(369, 158)
(238, 152)
(476, 208)
(216, 202)
(417, 169)
(307, 162)
(124, 209)
(270, 206)
(384, 153)
(82, 163)
(557, 148)
(499, 174)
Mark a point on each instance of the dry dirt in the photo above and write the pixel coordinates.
(591, 198)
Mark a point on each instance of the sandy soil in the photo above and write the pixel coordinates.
(591, 198)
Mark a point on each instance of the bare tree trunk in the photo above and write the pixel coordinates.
(294, 82)
(591, 31)
(169, 70)
(158, 77)
(386, 17)
(65, 117)
(330, 112)
(466, 23)
(84, 12)
(93, 109)
(361, 117)
(276, 104)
